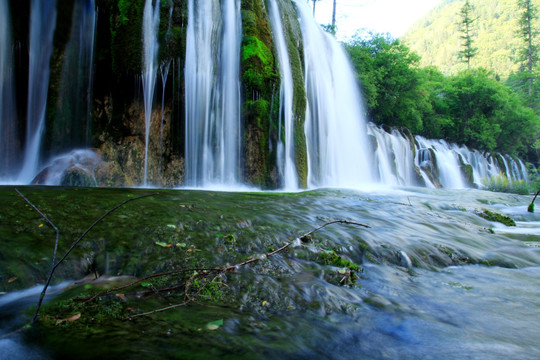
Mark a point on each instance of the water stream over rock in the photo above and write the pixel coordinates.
(437, 280)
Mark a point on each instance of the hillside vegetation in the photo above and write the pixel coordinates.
(436, 37)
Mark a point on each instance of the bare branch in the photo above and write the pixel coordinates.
(42, 296)
(244, 263)
(55, 264)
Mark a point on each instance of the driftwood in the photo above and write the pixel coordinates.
(54, 263)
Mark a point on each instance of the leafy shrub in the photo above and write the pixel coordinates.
(501, 183)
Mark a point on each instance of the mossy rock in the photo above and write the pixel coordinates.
(497, 217)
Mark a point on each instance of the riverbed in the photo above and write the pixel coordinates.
(434, 279)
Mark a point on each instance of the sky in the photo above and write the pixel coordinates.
(380, 16)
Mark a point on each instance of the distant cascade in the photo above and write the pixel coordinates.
(42, 25)
(9, 145)
(450, 175)
(405, 161)
(339, 153)
(151, 46)
(394, 158)
(212, 84)
(285, 158)
(73, 116)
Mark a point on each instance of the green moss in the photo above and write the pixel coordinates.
(347, 274)
(295, 48)
(259, 79)
(493, 216)
(126, 36)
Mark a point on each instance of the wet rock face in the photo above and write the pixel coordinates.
(124, 156)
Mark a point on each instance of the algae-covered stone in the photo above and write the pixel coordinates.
(494, 216)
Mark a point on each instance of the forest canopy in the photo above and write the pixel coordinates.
(472, 107)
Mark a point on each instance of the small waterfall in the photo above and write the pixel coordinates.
(285, 159)
(150, 32)
(338, 148)
(213, 93)
(164, 69)
(9, 146)
(450, 175)
(73, 118)
(394, 157)
(42, 25)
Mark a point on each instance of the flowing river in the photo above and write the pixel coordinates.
(437, 280)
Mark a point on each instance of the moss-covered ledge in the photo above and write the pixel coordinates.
(260, 79)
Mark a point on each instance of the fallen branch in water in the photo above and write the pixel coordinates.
(234, 267)
(54, 263)
(531, 205)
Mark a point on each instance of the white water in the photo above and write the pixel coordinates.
(339, 153)
(285, 158)
(150, 30)
(82, 160)
(447, 163)
(42, 25)
(9, 147)
(212, 86)
(394, 157)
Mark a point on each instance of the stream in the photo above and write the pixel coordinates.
(438, 281)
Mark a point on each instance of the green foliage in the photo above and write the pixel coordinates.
(435, 37)
(389, 76)
(466, 29)
(471, 108)
(501, 183)
(528, 32)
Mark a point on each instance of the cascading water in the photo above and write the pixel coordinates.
(393, 156)
(213, 93)
(285, 158)
(339, 153)
(164, 69)
(9, 147)
(450, 175)
(42, 25)
(150, 43)
(73, 119)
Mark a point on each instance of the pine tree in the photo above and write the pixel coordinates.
(527, 31)
(466, 26)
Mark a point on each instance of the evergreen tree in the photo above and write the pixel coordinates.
(527, 31)
(466, 25)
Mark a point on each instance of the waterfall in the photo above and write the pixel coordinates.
(339, 153)
(450, 175)
(150, 43)
(394, 157)
(285, 158)
(73, 118)
(9, 146)
(164, 69)
(212, 89)
(42, 25)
